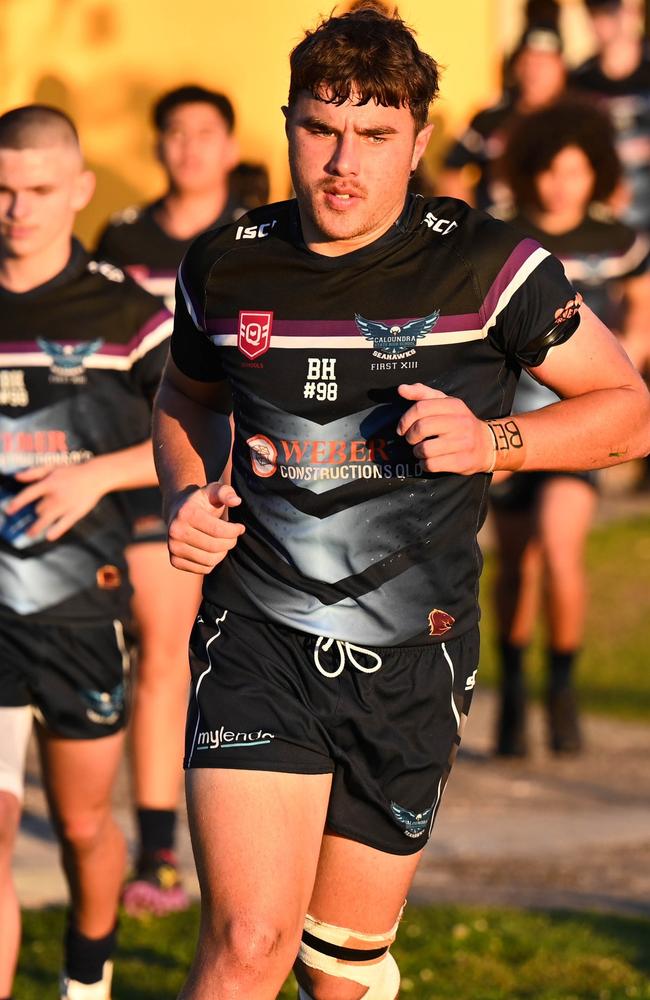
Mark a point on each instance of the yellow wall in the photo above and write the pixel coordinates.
(104, 61)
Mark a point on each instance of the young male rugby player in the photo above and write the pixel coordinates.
(81, 347)
(371, 345)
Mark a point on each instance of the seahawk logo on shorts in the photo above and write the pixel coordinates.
(68, 360)
(413, 824)
(106, 707)
(391, 343)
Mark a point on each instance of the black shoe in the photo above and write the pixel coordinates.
(563, 723)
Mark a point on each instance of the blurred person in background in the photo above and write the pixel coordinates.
(618, 78)
(249, 185)
(81, 351)
(561, 166)
(538, 73)
(197, 150)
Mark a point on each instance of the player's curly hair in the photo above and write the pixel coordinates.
(537, 138)
(367, 54)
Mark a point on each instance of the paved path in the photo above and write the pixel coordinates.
(543, 832)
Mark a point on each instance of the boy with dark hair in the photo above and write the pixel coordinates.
(370, 343)
(197, 149)
(81, 352)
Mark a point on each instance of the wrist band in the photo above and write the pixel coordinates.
(494, 446)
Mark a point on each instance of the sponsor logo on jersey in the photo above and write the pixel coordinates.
(569, 310)
(106, 707)
(391, 343)
(439, 622)
(13, 391)
(213, 739)
(413, 824)
(255, 232)
(108, 577)
(311, 460)
(254, 333)
(264, 455)
(68, 360)
(442, 226)
(24, 449)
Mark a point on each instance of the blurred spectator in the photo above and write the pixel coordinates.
(249, 185)
(539, 77)
(561, 164)
(197, 150)
(618, 76)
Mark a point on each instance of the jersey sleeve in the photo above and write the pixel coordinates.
(150, 350)
(192, 351)
(537, 309)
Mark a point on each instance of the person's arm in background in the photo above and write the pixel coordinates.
(635, 335)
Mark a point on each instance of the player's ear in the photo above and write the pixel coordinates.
(285, 112)
(421, 142)
(84, 189)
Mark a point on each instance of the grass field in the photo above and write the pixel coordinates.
(444, 952)
(613, 675)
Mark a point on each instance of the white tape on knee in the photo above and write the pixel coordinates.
(15, 729)
(380, 975)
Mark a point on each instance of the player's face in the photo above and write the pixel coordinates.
(196, 149)
(41, 190)
(567, 185)
(350, 167)
(540, 76)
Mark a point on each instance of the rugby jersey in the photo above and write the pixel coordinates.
(345, 535)
(596, 256)
(78, 355)
(134, 240)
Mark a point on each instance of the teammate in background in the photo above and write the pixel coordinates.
(249, 185)
(618, 77)
(561, 166)
(81, 346)
(372, 342)
(197, 150)
(538, 72)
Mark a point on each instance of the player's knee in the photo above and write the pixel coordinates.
(82, 832)
(253, 947)
(335, 963)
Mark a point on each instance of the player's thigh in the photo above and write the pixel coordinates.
(256, 837)
(359, 887)
(79, 775)
(165, 600)
(566, 511)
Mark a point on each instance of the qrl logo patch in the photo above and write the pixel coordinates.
(254, 335)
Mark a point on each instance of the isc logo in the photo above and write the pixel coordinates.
(255, 232)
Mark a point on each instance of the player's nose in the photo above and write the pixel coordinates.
(345, 158)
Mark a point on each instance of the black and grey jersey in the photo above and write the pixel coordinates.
(346, 536)
(627, 101)
(482, 145)
(78, 355)
(134, 240)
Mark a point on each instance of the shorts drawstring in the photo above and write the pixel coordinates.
(345, 649)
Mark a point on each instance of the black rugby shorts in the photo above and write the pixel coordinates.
(73, 675)
(384, 721)
(522, 490)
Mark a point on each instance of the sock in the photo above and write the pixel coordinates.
(560, 666)
(157, 829)
(512, 660)
(85, 957)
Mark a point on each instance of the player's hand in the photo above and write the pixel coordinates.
(446, 435)
(199, 537)
(61, 496)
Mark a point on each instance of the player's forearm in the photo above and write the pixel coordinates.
(593, 431)
(191, 443)
(127, 469)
